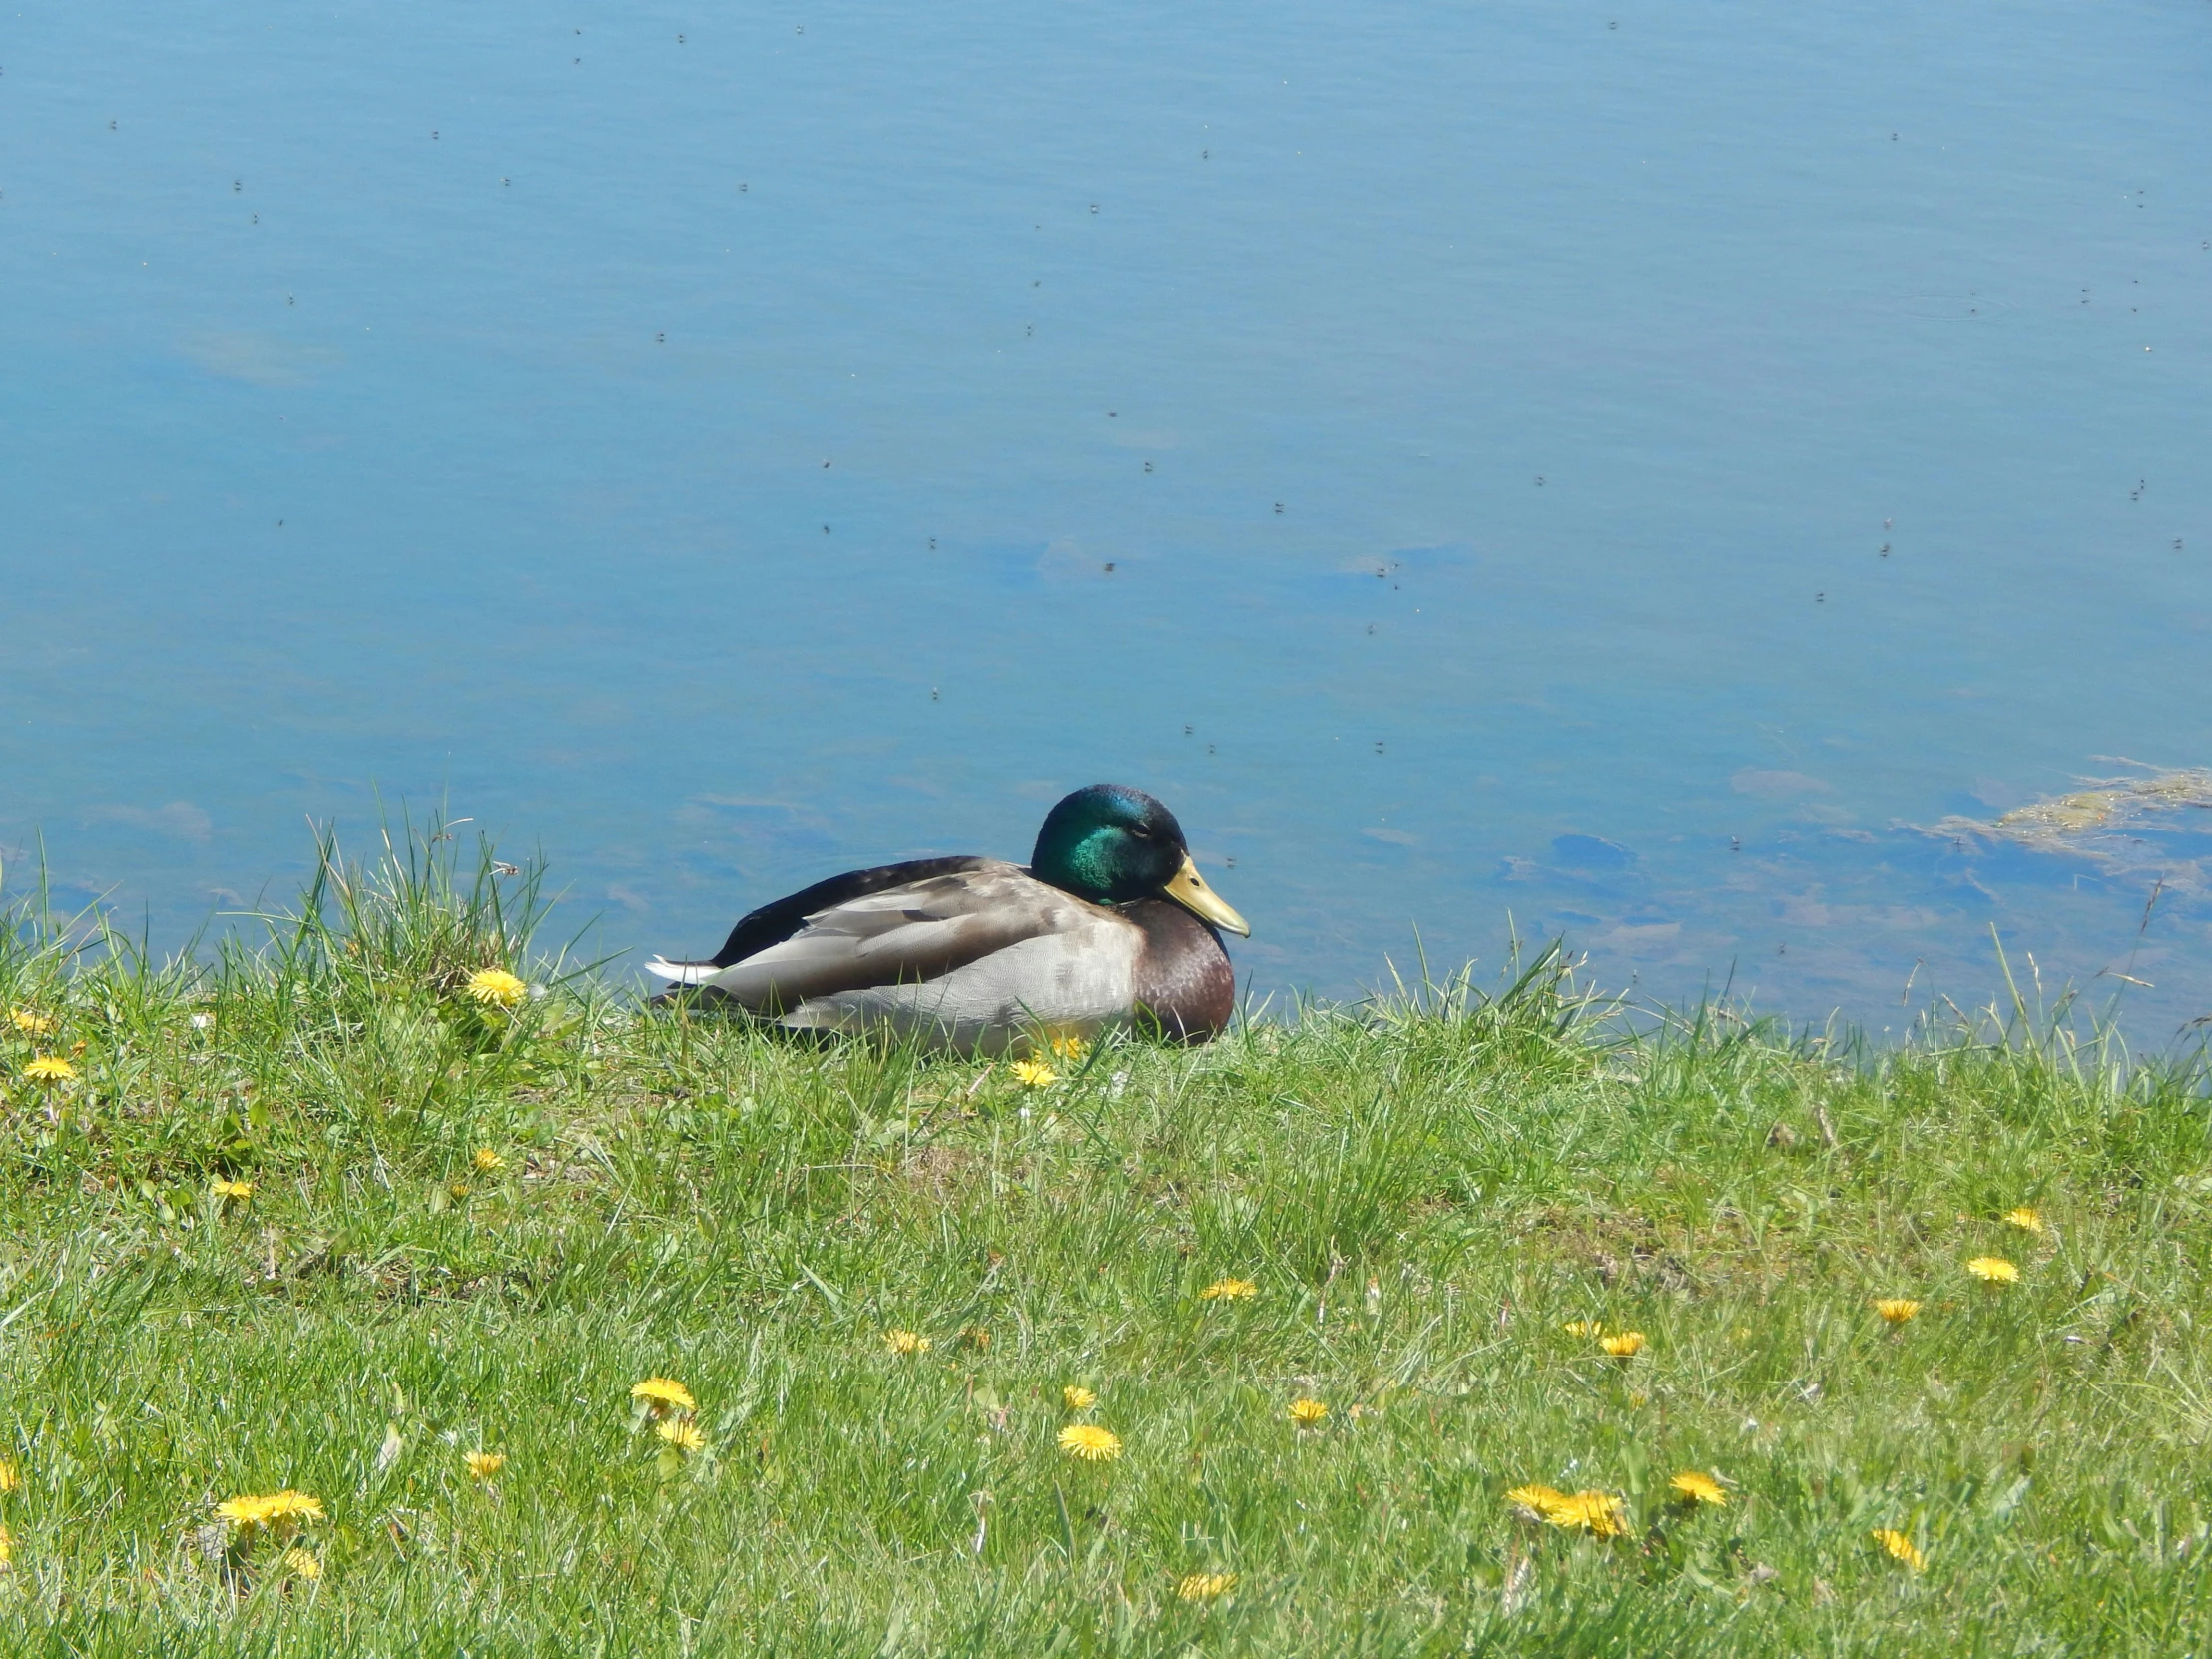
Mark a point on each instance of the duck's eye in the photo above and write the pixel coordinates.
(1139, 832)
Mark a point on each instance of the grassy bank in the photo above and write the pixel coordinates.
(474, 1226)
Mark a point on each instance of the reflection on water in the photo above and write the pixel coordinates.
(1619, 472)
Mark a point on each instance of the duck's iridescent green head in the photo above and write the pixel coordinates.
(1111, 843)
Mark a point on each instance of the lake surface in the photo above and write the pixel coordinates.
(1635, 471)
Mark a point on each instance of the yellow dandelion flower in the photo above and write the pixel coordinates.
(7, 1549)
(1583, 1327)
(1536, 1503)
(683, 1434)
(1070, 1047)
(1696, 1488)
(239, 1190)
(456, 1189)
(301, 1564)
(1897, 1309)
(2025, 1219)
(1077, 1398)
(482, 1465)
(294, 1506)
(1900, 1549)
(1229, 1289)
(274, 1509)
(1308, 1413)
(906, 1341)
(663, 1394)
(1090, 1442)
(9, 1478)
(1623, 1346)
(1600, 1514)
(497, 987)
(1034, 1074)
(1205, 1587)
(30, 1024)
(489, 1161)
(1993, 1270)
(49, 1068)
(1548, 1503)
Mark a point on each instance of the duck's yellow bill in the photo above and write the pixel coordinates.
(1188, 889)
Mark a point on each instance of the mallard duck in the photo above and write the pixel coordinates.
(1110, 925)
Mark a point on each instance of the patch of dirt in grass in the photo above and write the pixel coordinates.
(942, 1170)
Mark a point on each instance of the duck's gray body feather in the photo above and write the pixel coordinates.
(976, 959)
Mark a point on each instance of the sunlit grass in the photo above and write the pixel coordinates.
(587, 1328)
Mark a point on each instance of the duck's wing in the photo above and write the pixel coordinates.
(774, 924)
(910, 932)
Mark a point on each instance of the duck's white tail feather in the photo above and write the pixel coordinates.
(680, 974)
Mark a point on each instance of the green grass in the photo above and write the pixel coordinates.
(1423, 1192)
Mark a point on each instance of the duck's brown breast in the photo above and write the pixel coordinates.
(1184, 983)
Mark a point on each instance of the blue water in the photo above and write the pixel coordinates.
(1443, 451)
